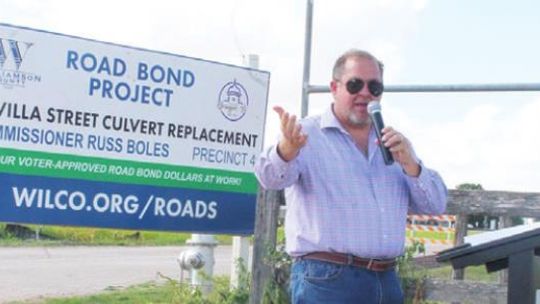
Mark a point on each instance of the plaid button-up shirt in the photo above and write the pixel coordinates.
(340, 200)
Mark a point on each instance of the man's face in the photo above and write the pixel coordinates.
(351, 109)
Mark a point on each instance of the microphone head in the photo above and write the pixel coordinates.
(373, 106)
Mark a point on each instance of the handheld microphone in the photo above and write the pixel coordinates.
(374, 110)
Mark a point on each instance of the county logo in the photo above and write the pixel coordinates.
(233, 101)
(12, 55)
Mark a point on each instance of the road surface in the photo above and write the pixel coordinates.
(33, 272)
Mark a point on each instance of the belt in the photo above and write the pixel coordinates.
(347, 259)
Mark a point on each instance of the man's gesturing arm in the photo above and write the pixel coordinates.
(293, 139)
(276, 168)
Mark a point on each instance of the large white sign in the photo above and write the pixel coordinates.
(102, 115)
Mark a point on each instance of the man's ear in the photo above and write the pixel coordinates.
(333, 87)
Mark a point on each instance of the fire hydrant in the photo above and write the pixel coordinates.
(199, 258)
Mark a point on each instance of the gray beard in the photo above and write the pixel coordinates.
(355, 121)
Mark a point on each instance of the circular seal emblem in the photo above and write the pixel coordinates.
(233, 101)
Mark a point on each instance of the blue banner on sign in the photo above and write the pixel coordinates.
(72, 202)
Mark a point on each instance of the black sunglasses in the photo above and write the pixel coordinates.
(355, 85)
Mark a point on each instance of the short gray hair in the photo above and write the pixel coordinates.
(337, 72)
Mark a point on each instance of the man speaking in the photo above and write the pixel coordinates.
(347, 209)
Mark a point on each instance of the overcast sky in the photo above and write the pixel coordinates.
(487, 138)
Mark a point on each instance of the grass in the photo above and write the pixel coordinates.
(144, 293)
(434, 235)
(169, 292)
(172, 292)
(472, 273)
(280, 235)
(62, 236)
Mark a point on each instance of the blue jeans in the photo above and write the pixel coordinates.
(315, 281)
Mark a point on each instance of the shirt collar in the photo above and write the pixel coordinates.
(329, 120)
